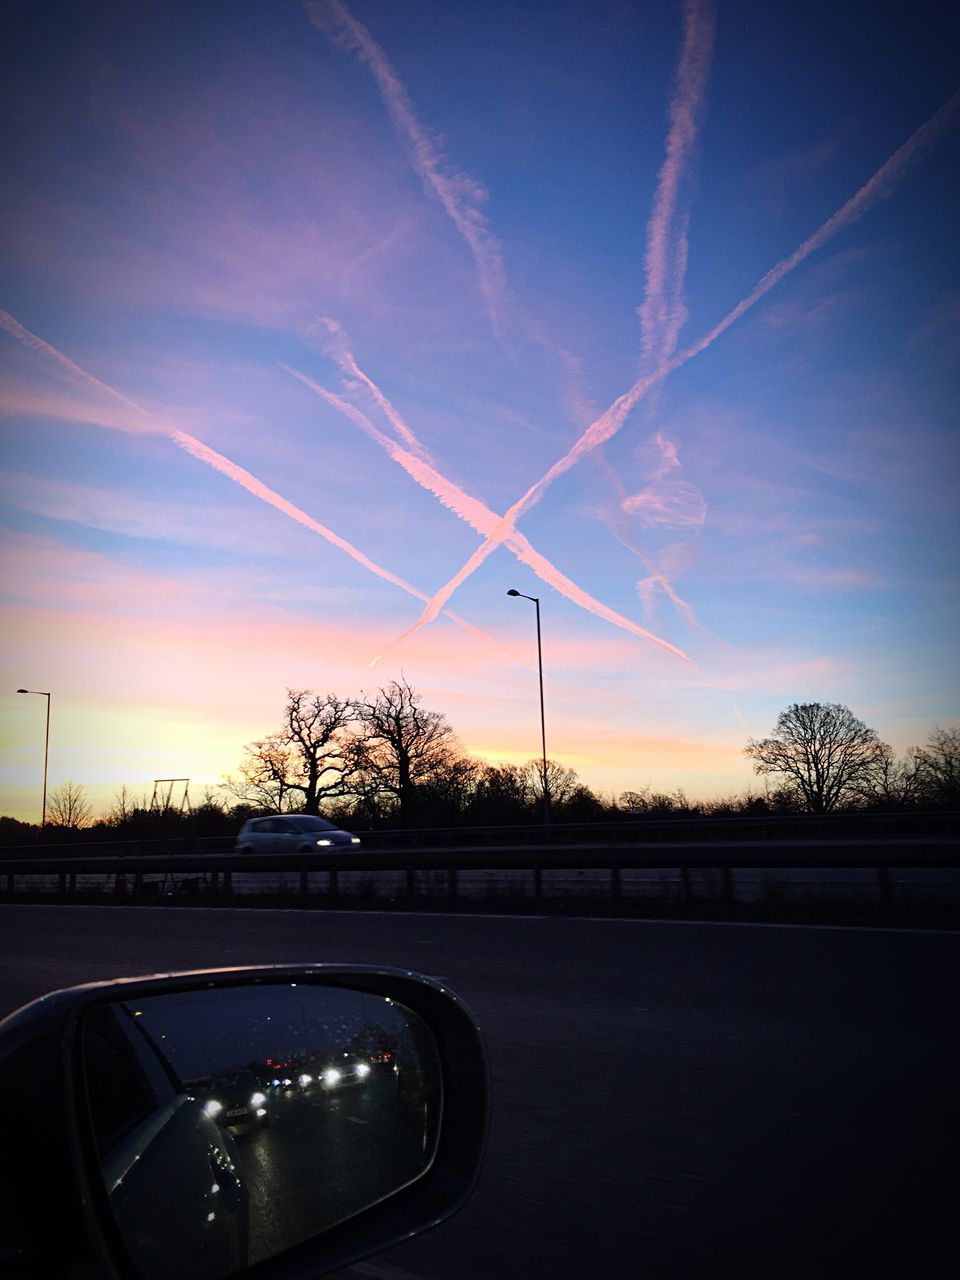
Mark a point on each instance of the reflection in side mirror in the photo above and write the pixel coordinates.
(235, 1122)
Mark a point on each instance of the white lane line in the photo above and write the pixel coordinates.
(489, 915)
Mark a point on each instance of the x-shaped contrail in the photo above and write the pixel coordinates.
(603, 428)
(150, 422)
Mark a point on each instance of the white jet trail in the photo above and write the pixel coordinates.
(16, 330)
(340, 350)
(877, 188)
(662, 313)
(479, 516)
(620, 528)
(197, 449)
(460, 195)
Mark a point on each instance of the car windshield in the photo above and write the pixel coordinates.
(305, 822)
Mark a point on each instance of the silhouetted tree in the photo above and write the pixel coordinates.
(400, 748)
(501, 796)
(561, 783)
(582, 805)
(301, 764)
(823, 751)
(634, 803)
(68, 807)
(894, 783)
(938, 769)
(445, 798)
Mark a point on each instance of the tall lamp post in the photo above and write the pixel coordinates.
(46, 751)
(543, 723)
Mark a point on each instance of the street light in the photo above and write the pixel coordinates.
(46, 751)
(543, 723)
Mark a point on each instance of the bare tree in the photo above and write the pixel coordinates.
(823, 750)
(126, 806)
(301, 764)
(68, 807)
(501, 794)
(938, 767)
(401, 746)
(561, 782)
(122, 809)
(634, 802)
(893, 783)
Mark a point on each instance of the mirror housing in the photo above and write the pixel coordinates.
(55, 1214)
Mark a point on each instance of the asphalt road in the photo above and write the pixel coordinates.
(322, 1158)
(670, 1100)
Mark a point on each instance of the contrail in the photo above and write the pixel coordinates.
(662, 313)
(882, 184)
(239, 475)
(460, 196)
(479, 517)
(344, 357)
(16, 330)
(622, 532)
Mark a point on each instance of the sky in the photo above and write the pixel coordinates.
(323, 326)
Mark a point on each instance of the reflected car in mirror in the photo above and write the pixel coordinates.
(146, 1102)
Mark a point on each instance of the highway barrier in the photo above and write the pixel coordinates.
(892, 875)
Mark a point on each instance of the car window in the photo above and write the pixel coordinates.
(124, 1084)
(310, 823)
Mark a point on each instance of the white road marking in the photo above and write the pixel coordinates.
(490, 915)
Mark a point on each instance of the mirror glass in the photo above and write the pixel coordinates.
(233, 1122)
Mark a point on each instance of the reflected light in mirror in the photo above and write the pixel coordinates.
(235, 1122)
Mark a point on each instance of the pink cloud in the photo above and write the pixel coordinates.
(673, 504)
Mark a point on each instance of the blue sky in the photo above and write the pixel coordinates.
(395, 261)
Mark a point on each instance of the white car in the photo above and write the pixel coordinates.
(292, 833)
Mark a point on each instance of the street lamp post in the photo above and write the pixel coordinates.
(543, 723)
(46, 751)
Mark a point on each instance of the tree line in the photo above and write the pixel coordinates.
(386, 760)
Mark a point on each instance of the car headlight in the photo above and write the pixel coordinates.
(324, 842)
(331, 1076)
(354, 839)
(363, 1070)
(305, 1080)
(258, 1099)
(212, 1107)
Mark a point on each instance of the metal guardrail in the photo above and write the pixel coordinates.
(217, 869)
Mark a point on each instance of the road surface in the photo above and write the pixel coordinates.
(670, 1100)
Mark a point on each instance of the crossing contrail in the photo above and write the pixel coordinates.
(239, 475)
(479, 516)
(882, 184)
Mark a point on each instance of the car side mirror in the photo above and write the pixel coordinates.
(286, 1120)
